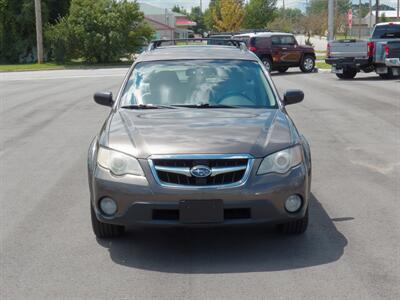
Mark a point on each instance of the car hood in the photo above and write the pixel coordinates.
(198, 131)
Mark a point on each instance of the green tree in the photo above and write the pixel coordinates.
(259, 13)
(179, 9)
(287, 20)
(99, 31)
(17, 27)
(383, 18)
(208, 14)
(197, 16)
(228, 15)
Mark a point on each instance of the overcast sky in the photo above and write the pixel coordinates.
(289, 3)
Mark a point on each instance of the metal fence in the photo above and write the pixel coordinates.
(363, 32)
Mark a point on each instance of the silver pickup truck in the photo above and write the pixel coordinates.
(348, 57)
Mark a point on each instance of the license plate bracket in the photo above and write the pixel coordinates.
(201, 211)
(336, 71)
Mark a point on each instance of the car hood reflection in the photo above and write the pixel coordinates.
(199, 131)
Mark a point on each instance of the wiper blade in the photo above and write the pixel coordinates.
(205, 105)
(145, 106)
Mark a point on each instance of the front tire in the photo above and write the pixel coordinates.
(388, 75)
(104, 230)
(267, 63)
(295, 227)
(307, 64)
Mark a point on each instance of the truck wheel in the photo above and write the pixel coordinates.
(307, 64)
(347, 74)
(283, 69)
(388, 75)
(267, 63)
(295, 227)
(104, 230)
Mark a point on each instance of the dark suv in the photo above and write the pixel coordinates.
(279, 51)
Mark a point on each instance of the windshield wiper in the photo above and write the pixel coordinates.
(205, 105)
(145, 106)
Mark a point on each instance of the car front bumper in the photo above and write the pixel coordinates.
(142, 201)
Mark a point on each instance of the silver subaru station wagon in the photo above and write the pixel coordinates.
(198, 135)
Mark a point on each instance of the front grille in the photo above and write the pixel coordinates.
(239, 168)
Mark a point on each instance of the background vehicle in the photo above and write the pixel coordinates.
(218, 38)
(279, 51)
(348, 57)
(392, 51)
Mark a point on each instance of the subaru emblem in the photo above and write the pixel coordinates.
(200, 171)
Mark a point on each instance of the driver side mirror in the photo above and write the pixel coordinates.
(104, 98)
(293, 96)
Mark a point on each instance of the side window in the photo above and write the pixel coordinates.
(288, 40)
(261, 42)
(275, 40)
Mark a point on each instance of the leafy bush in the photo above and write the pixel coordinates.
(60, 39)
(17, 27)
(98, 31)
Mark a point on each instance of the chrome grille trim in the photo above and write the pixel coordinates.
(186, 171)
(216, 170)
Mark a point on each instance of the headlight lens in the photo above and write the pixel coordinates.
(118, 163)
(282, 161)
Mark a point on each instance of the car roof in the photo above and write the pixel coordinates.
(186, 52)
(387, 24)
(261, 34)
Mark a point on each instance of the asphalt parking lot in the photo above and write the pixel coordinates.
(48, 250)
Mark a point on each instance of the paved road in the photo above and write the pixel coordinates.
(48, 251)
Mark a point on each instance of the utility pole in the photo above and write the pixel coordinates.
(398, 10)
(377, 12)
(330, 20)
(359, 19)
(283, 5)
(370, 15)
(201, 5)
(39, 32)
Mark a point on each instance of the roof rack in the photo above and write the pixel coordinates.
(223, 33)
(255, 31)
(226, 42)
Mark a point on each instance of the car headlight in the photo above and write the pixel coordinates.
(282, 161)
(118, 163)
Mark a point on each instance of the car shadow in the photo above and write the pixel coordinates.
(230, 250)
(287, 73)
(372, 78)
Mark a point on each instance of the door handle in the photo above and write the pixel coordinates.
(284, 48)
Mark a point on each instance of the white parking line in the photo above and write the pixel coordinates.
(61, 77)
(62, 74)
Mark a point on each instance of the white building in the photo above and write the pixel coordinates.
(369, 19)
(167, 24)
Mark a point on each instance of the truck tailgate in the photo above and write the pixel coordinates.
(348, 48)
(394, 50)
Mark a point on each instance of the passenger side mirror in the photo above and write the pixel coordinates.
(104, 98)
(292, 97)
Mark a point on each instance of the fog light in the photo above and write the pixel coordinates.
(293, 203)
(108, 206)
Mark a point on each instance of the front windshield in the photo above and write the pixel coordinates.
(198, 82)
